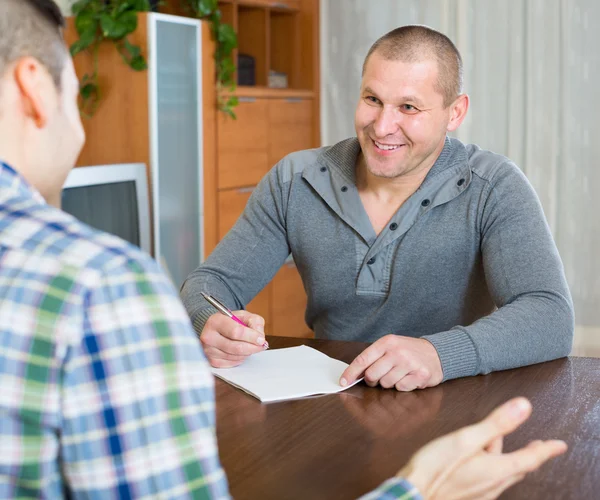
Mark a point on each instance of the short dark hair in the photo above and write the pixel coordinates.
(32, 28)
(415, 43)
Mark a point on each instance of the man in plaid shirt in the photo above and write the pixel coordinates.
(105, 391)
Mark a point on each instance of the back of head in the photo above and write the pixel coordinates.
(32, 28)
(418, 43)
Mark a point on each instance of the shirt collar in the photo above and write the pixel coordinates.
(14, 183)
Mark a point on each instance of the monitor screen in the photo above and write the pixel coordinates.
(111, 198)
(109, 207)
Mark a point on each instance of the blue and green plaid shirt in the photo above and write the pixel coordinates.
(104, 389)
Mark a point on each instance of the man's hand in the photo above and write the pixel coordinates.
(469, 463)
(394, 361)
(227, 343)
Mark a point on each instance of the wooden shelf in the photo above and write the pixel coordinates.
(287, 5)
(244, 91)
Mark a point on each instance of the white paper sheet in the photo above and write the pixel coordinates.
(290, 373)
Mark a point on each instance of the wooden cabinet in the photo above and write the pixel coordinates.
(265, 130)
(280, 36)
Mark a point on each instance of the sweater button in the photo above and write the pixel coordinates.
(344, 189)
(425, 203)
(393, 226)
(323, 169)
(460, 182)
(371, 261)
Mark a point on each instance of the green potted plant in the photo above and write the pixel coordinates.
(100, 20)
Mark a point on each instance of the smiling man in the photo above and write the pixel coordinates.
(436, 251)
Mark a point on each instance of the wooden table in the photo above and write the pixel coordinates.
(343, 445)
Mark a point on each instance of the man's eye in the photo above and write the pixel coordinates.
(372, 99)
(409, 108)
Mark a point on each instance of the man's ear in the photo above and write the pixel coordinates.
(458, 111)
(34, 84)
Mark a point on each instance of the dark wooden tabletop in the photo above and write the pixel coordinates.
(343, 445)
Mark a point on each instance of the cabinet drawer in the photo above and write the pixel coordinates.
(241, 169)
(288, 304)
(242, 145)
(231, 205)
(290, 127)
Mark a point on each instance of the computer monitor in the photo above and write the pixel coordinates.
(112, 198)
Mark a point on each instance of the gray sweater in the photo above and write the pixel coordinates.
(467, 262)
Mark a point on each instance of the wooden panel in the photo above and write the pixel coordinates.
(290, 127)
(253, 39)
(209, 116)
(309, 77)
(231, 205)
(242, 168)
(275, 4)
(243, 144)
(119, 131)
(288, 304)
(246, 91)
(285, 45)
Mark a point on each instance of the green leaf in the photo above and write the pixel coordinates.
(77, 7)
(88, 91)
(129, 21)
(227, 38)
(138, 63)
(118, 28)
(86, 22)
(139, 5)
(134, 50)
(205, 7)
(83, 43)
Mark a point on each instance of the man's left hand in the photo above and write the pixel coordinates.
(405, 363)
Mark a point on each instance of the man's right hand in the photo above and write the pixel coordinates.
(469, 463)
(226, 343)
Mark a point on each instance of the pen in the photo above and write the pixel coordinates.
(223, 309)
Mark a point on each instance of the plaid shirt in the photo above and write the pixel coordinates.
(105, 392)
(394, 489)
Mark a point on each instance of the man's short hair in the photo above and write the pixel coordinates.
(32, 28)
(416, 43)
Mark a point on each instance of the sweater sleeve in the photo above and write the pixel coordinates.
(534, 320)
(247, 258)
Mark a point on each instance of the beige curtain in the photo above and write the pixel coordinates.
(532, 68)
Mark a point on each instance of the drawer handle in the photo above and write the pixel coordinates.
(280, 5)
(246, 99)
(294, 99)
(245, 190)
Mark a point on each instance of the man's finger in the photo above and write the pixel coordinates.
(495, 447)
(502, 421)
(214, 353)
(253, 321)
(231, 330)
(533, 456)
(380, 368)
(361, 363)
(394, 376)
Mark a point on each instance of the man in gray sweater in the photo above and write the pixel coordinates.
(435, 251)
